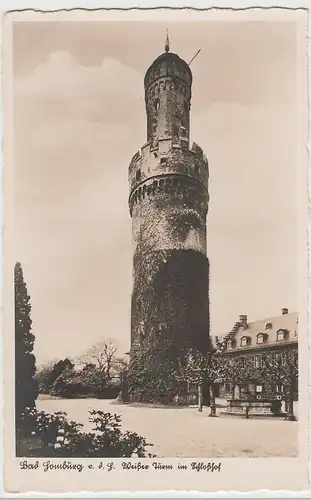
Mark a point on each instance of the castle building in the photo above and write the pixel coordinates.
(248, 342)
(168, 202)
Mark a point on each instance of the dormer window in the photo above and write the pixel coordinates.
(268, 326)
(261, 338)
(281, 335)
(245, 341)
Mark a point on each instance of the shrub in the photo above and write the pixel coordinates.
(62, 438)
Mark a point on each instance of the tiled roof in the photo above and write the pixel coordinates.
(267, 326)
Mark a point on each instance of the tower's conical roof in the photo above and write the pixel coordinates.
(168, 64)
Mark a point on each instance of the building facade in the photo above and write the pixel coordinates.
(249, 343)
(168, 202)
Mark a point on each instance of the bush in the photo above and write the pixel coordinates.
(62, 380)
(59, 437)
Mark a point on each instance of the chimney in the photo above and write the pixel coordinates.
(243, 320)
(284, 310)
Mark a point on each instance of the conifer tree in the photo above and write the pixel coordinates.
(26, 390)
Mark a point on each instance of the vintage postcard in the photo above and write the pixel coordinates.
(155, 250)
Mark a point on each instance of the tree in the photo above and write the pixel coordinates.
(120, 368)
(239, 375)
(43, 376)
(278, 372)
(26, 389)
(48, 377)
(273, 371)
(103, 356)
(201, 368)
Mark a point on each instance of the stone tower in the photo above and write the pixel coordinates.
(168, 201)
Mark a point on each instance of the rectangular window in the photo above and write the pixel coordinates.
(273, 359)
(258, 361)
(242, 361)
(280, 335)
(227, 387)
(253, 361)
(283, 358)
(258, 388)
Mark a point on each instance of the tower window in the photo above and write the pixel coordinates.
(138, 174)
(157, 104)
(175, 130)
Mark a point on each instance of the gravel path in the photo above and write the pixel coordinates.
(187, 433)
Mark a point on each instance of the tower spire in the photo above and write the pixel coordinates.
(167, 42)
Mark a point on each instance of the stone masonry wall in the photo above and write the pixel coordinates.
(170, 267)
(168, 202)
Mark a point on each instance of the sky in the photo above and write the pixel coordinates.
(79, 117)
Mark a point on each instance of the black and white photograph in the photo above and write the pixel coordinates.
(157, 253)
